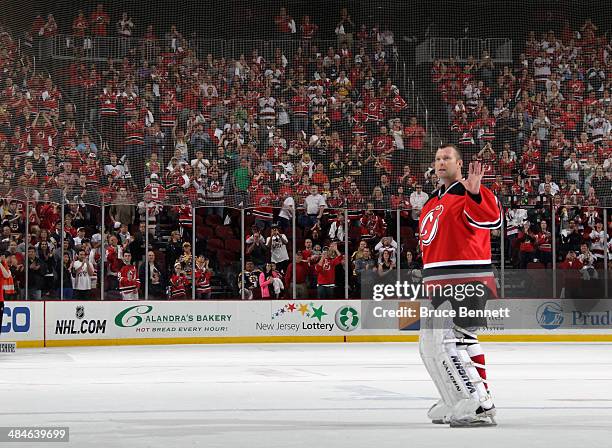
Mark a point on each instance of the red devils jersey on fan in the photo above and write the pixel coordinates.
(48, 216)
(263, 206)
(134, 133)
(374, 110)
(398, 104)
(128, 280)
(487, 127)
(544, 241)
(185, 216)
(383, 143)
(326, 274)
(158, 192)
(178, 286)
(455, 227)
(203, 277)
(108, 104)
(112, 258)
(274, 154)
(131, 103)
(168, 111)
(299, 105)
(576, 87)
(372, 225)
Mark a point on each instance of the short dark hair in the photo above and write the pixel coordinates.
(458, 152)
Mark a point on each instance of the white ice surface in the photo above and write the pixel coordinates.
(299, 395)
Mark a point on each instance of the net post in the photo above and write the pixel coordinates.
(398, 255)
(242, 254)
(553, 215)
(63, 215)
(606, 251)
(502, 247)
(346, 254)
(27, 245)
(146, 285)
(193, 252)
(102, 251)
(294, 249)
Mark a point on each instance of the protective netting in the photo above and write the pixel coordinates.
(226, 116)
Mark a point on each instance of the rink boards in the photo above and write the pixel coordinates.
(70, 323)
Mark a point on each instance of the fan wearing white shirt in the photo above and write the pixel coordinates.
(418, 198)
(82, 270)
(287, 211)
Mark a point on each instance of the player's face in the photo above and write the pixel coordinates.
(447, 166)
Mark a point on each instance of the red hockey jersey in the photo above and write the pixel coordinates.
(455, 227)
(202, 278)
(178, 287)
(326, 272)
(129, 282)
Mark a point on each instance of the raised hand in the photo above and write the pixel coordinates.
(474, 178)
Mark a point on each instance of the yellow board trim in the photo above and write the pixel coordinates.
(494, 338)
(30, 344)
(383, 338)
(546, 338)
(313, 339)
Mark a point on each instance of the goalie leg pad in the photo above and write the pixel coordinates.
(468, 349)
(437, 346)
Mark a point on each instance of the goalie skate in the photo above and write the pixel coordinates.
(438, 413)
(481, 418)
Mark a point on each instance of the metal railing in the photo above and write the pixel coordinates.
(499, 49)
(70, 47)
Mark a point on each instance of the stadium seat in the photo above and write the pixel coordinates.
(535, 265)
(215, 244)
(213, 220)
(224, 232)
(204, 232)
(232, 245)
(226, 258)
(354, 233)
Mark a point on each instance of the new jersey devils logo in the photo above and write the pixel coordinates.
(430, 224)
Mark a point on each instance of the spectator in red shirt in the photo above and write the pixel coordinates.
(326, 271)
(527, 245)
(414, 136)
(302, 269)
(285, 25)
(571, 262)
(80, 25)
(99, 21)
(308, 29)
(50, 27)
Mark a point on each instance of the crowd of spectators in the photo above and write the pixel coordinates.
(176, 131)
(302, 136)
(542, 129)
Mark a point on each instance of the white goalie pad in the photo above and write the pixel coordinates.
(448, 369)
